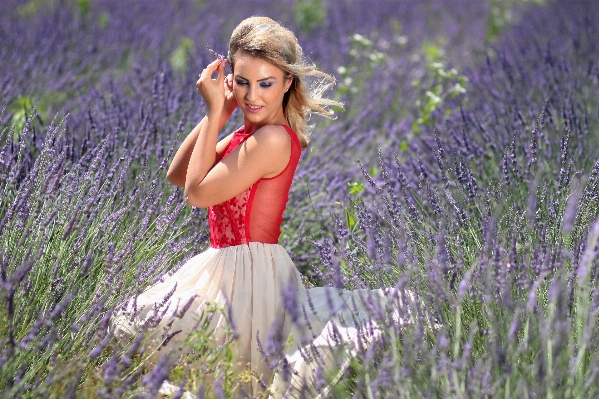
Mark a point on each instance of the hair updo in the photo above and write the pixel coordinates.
(261, 37)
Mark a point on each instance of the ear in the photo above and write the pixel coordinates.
(288, 82)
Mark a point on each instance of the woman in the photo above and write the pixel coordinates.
(244, 181)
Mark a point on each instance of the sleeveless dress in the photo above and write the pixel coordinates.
(246, 271)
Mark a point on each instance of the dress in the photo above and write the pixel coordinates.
(247, 271)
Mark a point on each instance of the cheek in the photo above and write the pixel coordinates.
(238, 91)
(275, 95)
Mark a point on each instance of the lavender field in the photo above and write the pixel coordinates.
(464, 167)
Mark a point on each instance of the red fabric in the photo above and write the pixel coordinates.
(255, 214)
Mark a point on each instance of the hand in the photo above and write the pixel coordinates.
(211, 89)
(230, 100)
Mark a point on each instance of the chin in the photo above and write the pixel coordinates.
(254, 118)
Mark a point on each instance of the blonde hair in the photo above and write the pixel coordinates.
(264, 38)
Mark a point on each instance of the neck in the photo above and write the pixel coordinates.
(251, 126)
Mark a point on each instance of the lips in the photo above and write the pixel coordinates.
(253, 108)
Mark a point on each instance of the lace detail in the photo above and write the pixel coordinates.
(241, 220)
(227, 221)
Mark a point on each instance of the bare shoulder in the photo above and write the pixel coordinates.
(275, 137)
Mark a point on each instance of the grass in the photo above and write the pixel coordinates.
(488, 213)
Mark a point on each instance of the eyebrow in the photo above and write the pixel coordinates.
(259, 80)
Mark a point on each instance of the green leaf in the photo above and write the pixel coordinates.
(403, 146)
(180, 56)
(103, 20)
(355, 188)
(84, 6)
(309, 14)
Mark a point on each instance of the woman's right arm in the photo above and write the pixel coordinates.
(177, 171)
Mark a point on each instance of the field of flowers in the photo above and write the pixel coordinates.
(465, 167)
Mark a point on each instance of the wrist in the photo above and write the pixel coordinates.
(214, 112)
(228, 110)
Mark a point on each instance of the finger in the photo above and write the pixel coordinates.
(221, 71)
(214, 65)
(205, 72)
(211, 68)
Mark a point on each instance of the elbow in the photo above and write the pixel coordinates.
(193, 196)
(174, 178)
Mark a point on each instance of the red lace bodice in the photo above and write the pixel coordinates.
(255, 214)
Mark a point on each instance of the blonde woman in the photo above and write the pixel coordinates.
(244, 181)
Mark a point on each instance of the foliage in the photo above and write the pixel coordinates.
(445, 84)
(180, 56)
(502, 14)
(309, 14)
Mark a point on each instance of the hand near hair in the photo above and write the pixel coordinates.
(212, 89)
(220, 103)
(230, 100)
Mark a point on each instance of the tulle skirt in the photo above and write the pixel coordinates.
(290, 337)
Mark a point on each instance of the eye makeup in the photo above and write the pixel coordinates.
(262, 83)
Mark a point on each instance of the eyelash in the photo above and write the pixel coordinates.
(262, 84)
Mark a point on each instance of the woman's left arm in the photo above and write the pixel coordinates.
(265, 153)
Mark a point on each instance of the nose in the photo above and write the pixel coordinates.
(251, 93)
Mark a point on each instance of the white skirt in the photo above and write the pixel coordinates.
(321, 328)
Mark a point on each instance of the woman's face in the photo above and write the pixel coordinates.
(259, 87)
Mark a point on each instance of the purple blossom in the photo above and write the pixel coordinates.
(89, 193)
(157, 376)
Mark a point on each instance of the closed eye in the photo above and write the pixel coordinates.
(243, 82)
